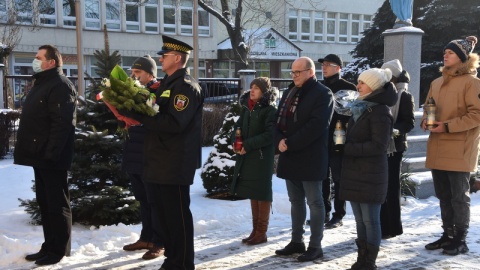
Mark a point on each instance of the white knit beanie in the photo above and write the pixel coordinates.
(375, 78)
(395, 66)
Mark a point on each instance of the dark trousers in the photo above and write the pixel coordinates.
(176, 225)
(453, 191)
(333, 173)
(53, 197)
(390, 213)
(144, 194)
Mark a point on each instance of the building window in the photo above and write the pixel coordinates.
(331, 27)
(262, 68)
(355, 32)
(69, 20)
(292, 25)
(132, 16)
(24, 11)
(92, 14)
(112, 14)
(151, 16)
(305, 34)
(221, 69)
(343, 28)
(3, 11)
(47, 13)
(318, 26)
(169, 16)
(186, 18)
(203, 22)
(367, 21)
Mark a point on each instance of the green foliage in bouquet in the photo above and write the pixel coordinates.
(123, 92)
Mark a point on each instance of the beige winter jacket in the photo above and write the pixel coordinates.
(457, 96)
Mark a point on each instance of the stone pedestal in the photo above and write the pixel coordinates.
(246, 77)
(405, 44)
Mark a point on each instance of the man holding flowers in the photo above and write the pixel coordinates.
(144, 69)
(172, 152)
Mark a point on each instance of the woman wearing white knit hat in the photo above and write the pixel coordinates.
(403, 113)
(365, 170)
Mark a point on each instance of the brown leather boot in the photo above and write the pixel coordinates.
(262, 224)
(254, 206)
(153, 253)
(138, 245)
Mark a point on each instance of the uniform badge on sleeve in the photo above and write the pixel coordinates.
(180, 102)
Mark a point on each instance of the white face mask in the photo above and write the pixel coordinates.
(37, 65)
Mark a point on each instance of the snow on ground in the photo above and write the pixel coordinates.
(219, 227)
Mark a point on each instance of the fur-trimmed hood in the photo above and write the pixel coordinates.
(268, 98)
(469, 67)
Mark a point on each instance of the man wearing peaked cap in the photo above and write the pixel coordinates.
(171, 44)
(172, 152)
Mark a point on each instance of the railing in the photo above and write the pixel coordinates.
(225, 90)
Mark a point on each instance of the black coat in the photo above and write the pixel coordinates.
(46, 132)
(133, 153)
(364, 177)
(173, 138)
(335, 83)
(307, 133)
(405, 121)
(253, 172)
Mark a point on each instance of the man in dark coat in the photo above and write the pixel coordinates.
(144, 69)
(45, 142)
(172, 150)
(301, 135)
(331, 68)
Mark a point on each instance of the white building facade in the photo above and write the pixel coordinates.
(333, 26)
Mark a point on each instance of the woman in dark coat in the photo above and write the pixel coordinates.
(364, 176)
(252, 177)
(403, 121)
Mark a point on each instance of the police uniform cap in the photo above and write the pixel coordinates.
(171, 44)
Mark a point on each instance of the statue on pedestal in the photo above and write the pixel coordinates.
(403, 9)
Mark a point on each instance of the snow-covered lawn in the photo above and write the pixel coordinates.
(219, 227)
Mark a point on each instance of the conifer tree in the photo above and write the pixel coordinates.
(217, 172)
(99, 189)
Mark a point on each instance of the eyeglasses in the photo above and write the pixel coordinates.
(297, 73)
(165, 54)
(329, 65)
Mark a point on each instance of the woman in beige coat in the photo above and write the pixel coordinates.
(452, 149)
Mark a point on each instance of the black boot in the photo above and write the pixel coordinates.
(457, 245)
(362, 252)
(445, 240)
(291, 248)
(370, 258)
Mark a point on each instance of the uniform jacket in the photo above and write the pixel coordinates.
(253, 171)
(405, 118)
(457, 97)
(307, 133)
(133, 153)
(335, 83)
(173, 136)
(46, 132)
(364, 177)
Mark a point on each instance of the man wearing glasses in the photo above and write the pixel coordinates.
(172, 152)
(331, 67)
(301, 133)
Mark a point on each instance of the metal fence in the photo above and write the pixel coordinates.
(225, 90)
